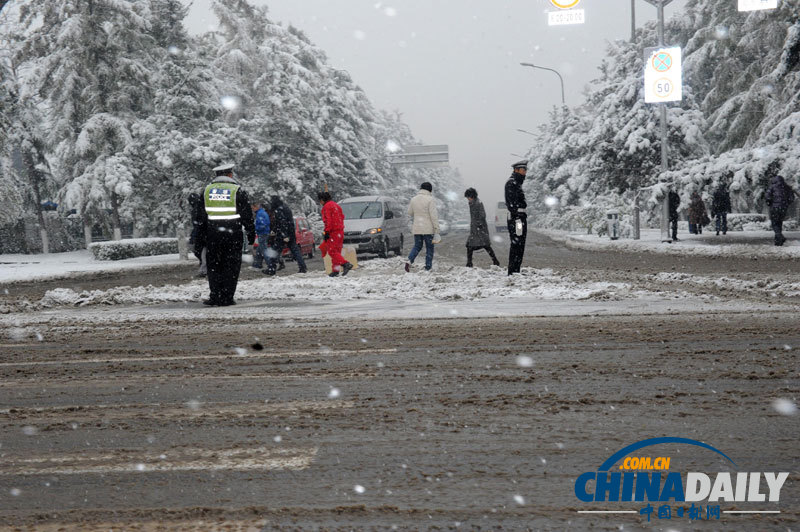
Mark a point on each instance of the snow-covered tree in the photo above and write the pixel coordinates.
(88, 60)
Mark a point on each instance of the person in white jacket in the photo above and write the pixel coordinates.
(426, 224)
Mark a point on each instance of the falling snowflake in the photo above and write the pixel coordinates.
(358, 488)
(784, 406)
(392, 146)
(524, 361)
(193, 404)
(241, 351)
(519, 499)
(16, 492)
(231, 103)
(359, 35)
(551, 201)
(390, 12)
(27, 430)
(334, 393)
(278, 438)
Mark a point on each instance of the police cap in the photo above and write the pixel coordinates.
(223, 169)
(520, 164)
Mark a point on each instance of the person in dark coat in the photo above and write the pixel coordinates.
(698, 217)
(779, 196)
(285, 236)
(517, 216)
(674, 202)
(720, 207)
(224, 215)
(196, 203)
(478, 229)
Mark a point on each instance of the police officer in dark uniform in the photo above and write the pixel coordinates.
(517, 217)
(221, 216)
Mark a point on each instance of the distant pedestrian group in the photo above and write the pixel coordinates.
(778, 196)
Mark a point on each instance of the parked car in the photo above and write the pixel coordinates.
(374, 224)
(305, 238)
(444, 227)
(501, 217)
(461, 225)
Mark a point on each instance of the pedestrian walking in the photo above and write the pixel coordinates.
(674, 201)
(422, 209)
(517, 216)
(698, 217)
(333, 236)
(779, 196)
(195, 203)
(283, 227)
(261, 245)
(720, 207)
(223, 221)
(478, 229)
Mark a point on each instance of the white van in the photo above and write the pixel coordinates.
(374, 224)
(501, 217)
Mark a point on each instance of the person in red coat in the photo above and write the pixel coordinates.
(333, 218)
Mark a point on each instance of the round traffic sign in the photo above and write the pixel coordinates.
(662, 61)
(663, 87)
(564, 4)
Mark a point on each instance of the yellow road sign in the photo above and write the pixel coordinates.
(564, 4)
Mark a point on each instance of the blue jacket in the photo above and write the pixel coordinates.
(262, 222)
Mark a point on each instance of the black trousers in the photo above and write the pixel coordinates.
(517, 250)
(224, 260)
(489, 250)
(776, 217)
(673, 222)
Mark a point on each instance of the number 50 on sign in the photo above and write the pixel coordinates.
(663, 79)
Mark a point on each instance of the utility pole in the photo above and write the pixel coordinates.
(665, 236)
(633, 21)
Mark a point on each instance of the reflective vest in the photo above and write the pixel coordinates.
(220, 201)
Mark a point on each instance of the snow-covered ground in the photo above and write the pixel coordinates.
(18, 267)
(735, 243)
(374, 280)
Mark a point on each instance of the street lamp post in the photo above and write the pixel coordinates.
(563, 102)
(665, 236)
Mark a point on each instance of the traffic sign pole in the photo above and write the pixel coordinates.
(665, 236)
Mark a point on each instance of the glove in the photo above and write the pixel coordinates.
(326, 236)
(286, 239)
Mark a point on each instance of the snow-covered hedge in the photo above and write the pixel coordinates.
(738, 220)
(137, 247)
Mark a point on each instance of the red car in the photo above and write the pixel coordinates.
(305, 238)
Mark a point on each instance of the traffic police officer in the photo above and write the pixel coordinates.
(223, 213)
(517, 217)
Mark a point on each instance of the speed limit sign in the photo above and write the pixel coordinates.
(663, 79)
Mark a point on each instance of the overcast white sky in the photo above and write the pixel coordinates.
(451, 67)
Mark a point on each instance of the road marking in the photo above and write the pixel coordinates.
(231, 356)
(206, 524)
(115, 380)
(245, 459)
(165, 411)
